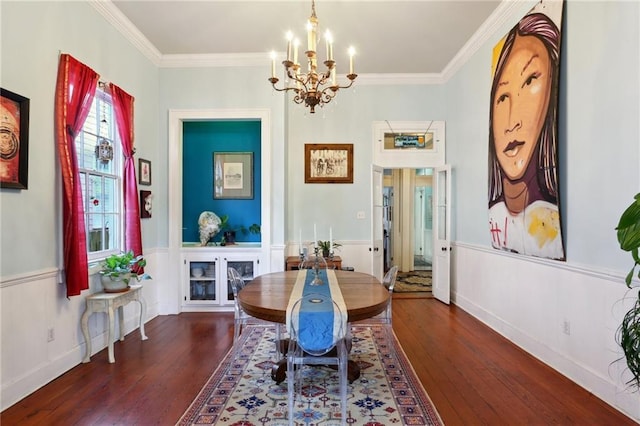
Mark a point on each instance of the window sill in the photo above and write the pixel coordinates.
(94, 268)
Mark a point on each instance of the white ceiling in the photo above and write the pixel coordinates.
(390, 37)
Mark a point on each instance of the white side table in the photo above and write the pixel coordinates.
(109, 302)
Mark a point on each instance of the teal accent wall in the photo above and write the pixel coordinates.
(201, 139)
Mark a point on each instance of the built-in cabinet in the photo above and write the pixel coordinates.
(205, 285)
(213, 293)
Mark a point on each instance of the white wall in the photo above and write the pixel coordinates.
(31, 298)
(529, 300)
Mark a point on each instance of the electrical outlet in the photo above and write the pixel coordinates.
(566, 327)
(51, 335)
(360, 215)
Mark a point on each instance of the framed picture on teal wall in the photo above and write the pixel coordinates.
(233, 175)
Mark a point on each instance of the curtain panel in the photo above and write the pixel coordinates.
(75, 89)
(123, 108)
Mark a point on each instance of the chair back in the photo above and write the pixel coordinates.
(236, 281)
(389, 280)
(314, 336)
(310, 262)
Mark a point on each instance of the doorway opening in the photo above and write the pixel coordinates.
(408, 219)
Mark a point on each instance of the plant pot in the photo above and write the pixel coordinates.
(325, 253)
(230, 237)
(114, 285)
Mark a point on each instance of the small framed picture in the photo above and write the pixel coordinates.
(14, 147)
(328, 163)
(233, 175)
(144, 172)
(145, 204)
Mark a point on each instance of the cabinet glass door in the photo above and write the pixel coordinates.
(202, 280)
(246, 270)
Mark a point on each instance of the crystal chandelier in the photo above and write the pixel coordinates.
(312, 88)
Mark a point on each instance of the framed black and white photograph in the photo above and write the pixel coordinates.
(144, 172)
(328, 163)
(14, 140)
(233, 175)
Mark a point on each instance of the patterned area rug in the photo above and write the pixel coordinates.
(414, 281)
(241, 392)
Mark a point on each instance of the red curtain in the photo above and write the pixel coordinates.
(123, 108)
(75, 89)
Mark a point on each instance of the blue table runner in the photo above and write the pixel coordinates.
(319, 325)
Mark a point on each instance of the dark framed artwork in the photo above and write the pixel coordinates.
(144, 172)
(14, 140)
(328, 163)
(233, 175)
(145, 204)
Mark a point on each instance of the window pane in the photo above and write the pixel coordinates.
(83, 184)
(89, 151)
(112, 229)
(91, 123)
(96, 196)
(94, 237)
(110, 195)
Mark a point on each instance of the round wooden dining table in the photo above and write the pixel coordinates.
(267, 297)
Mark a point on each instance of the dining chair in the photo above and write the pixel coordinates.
(309, 346)
(241, 318)
(388, 281)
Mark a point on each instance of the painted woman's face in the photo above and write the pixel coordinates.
(520, 104)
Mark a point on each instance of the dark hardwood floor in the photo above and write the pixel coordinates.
(472, 374)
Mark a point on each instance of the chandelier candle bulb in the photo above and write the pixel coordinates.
(329, 42)
(300, 241)
(352, 52)
(289, 38)
(311, 35)
(273, 64)
(296, 44)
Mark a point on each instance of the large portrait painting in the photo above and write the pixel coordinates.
(14, 140)
(524, 213)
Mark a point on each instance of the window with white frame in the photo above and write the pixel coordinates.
(100, 164)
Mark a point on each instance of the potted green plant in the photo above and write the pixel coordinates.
(325, 247)
(118, 269)
(229, 232)
(628, 231)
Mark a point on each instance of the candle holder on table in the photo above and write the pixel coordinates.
(316, 267)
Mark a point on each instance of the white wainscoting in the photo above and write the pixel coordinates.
(34, 303)
(565, 315)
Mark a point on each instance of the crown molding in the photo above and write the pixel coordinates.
(398, 79)
(215, 60)
(505, 11)
(121, 23)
